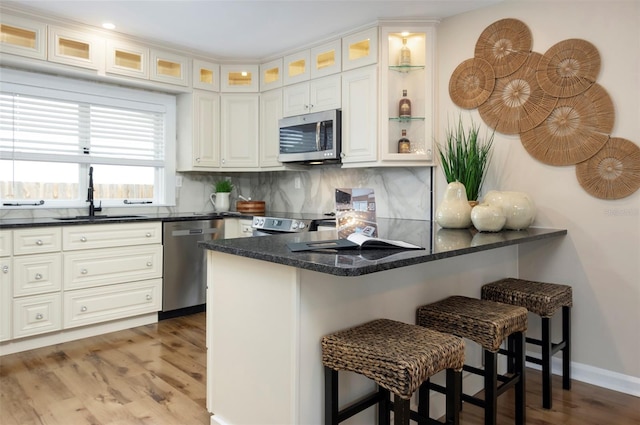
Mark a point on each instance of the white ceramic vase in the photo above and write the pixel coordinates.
(220, 201)
(518, 208)
(454, 212)
(488, 218)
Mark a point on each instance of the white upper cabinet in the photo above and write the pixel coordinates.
(321, 94)
(77, 48)
(270, 114)
(296, 67)
(360, 49)
(24, 37)
(271, 75)
(239, 135)
(130, 59)
(326, 59)
(359, 116)
(169, 68)
(243, 78)
(206, 75)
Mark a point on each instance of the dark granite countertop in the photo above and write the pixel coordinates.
(10, 223)
(438, 243)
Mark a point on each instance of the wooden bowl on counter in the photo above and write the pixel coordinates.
(250, 207)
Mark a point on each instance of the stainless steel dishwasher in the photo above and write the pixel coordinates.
(184, 285)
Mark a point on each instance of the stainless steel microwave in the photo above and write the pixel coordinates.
(311, 138)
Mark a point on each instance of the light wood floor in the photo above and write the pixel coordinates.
(155, 375)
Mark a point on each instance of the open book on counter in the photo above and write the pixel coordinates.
(354, 240)
(369, 242)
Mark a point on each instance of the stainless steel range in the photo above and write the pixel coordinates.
(289, 223)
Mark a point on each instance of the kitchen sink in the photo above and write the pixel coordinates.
(98, 217)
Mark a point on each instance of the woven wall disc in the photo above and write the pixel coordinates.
(471, 83)
(613, 172)
(568, 68)
(505, 44)
(517, 103)
(576, 129)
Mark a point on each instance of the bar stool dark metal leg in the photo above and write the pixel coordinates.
(454, 402)
(490, 387)
(384, 417)
(401, 411)
(546, 362)
(331, 394)
(566, 351)
(424, 402)
(520, 358)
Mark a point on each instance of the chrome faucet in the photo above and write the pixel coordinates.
(92, 207)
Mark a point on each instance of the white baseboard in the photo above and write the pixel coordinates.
(595, 376)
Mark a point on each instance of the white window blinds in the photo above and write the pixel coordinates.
(60, 126)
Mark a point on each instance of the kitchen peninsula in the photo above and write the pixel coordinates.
(268, 307)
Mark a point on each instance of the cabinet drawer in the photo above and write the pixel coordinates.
(36, 315)
(5, 243)
(36, 240)
(95, 305)
(37, 274)
(111, 235)
(84, 269)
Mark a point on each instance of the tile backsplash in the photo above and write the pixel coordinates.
(400, 192)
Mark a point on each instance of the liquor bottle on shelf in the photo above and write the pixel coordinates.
(405, 54)
(404, 106)
(404, 145)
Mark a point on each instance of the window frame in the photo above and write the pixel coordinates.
(76, 89)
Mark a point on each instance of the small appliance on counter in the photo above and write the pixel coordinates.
(288, 223)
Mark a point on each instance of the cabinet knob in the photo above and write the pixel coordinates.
(148, 234)
(5, 269)
(306, 106)
(84, 271)
(149, 264)
(197, 159)
(148, 297)
(83, 239)
(311, 106)
(83, 308)
(38, 276)
(39, 242)
(39, 316)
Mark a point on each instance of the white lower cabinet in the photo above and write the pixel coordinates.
(6, 300)
(237, 228)
(57, 278)
(98, 267)
(95, 305)
(37, 314)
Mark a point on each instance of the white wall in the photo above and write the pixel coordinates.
(600, 257)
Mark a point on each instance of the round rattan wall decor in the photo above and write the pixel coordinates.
(505, 44)
(613, 172)
(517, 103)
(577, 128)
(471, 83)
(568, 68)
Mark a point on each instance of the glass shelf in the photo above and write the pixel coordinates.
(406, 68)
(398, 119)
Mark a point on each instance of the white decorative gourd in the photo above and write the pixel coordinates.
(488, 218)
(518, 208)
(454, 212)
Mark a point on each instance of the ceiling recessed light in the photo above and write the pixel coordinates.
(108, 26)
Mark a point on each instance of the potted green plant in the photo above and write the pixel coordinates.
(465, 157)
(222, 186)
(223, 191)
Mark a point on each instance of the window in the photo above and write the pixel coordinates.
(53, 129)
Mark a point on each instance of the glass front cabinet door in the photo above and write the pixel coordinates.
(360, 49)
(23, 37)
(407, 67)
(206, 75)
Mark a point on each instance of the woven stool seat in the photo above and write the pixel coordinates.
(397, 356)
(540, 298)
(484, 322)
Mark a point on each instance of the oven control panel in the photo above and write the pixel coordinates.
(285, 225)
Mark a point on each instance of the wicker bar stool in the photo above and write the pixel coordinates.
(400, 358)
(543, 299)
(488, 324)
